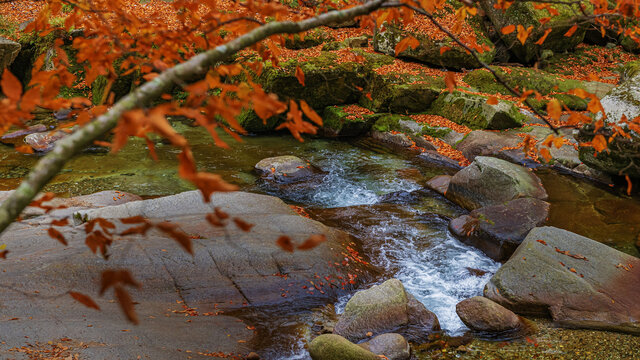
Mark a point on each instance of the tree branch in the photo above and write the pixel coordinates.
(197, 66)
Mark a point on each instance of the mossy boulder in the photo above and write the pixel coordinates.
(310, 39)
(339, 122)
(328, 80)
(428, 51)
(252, 123)
(354, 42)
(335, 347)
(122, 85)
(401, 93)
(473, 111)
(527, 78)
(525, 14)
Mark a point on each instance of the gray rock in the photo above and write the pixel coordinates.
(473, 111)
(383, 308)
(497, 230)
(579, 282)
(398, 140)
(482, 314)
(435, 158)
(335, 347)
(489, 181)
(393, 346)
(8, 52)
(285, 169)
(44, 141)
(439, 183)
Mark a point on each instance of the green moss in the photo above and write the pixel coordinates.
(337, 122)
(388, 122)
(401, 93)
(122, 85)
(312, 38)
(252, 123)
(7, 28)
(436, 132)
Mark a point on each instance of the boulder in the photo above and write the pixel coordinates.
(577, 281)
(339, 121)
(384, 308)
(482, 314)
(393, 346)
(498, 230)
(525, 14)
(473, 111)
(401, 93)
(335, 347)
(285, 169)
(490, 181)
(8, 52)
(428, 51)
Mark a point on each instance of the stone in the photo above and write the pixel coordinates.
(490, 143)
(337, 121)
(401, 93)
(498, 230)
(285, 169)
(383, 308)
(397, 140)
(473, 111)
(44, 141)
(439, 183)
(335, 347)
(393, 346)
(8, 52)
(435, 158)
(526, 15)
(481, 314)
(577, 281)
(490, 181)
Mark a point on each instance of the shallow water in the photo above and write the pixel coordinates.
(372, 194)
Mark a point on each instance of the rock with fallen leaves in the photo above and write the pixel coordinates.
(336, 347)
(484, 315)
(285, 169)
(499, 229)
(350, 120)
(491, 181)
(391, 345)
(577, 281)
(383, 308)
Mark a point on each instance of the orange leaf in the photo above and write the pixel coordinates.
(221, 214)
(571, 31)
(312, 241)
(450, 80)
(25, 149)
(629, 185)
(55, 234)
(523, 33)
(84, 300)
(126, 304)
(543, 37)
(508, 29)
(444, 49)
(546, 154)
(243, 225)
(408, 42)
(311, 114)
(599, 143)
(11, 86)
(61, 222)
(179, 236)
(285, 243)
(492, 100)
(111, 278)
(214, 220)
(554, 109)
(300, 75)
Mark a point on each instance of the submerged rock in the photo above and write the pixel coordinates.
(336, 347)
(490, 181)
(577, 281)
(393, 346)
(285, 169)
(482, 314)
(383, 308)
(498, 230)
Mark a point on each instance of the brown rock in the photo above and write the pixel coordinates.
(482, 314)
(439, 183)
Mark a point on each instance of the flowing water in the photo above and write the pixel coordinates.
(375, 195)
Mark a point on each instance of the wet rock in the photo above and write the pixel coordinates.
(497, 230)
(439, 183)
(285, 169)
(577, 281)
(428, 50)
(45, 141)
(383, 308)
(335, 347)
(435, 158)
(398, 140)
(491, 181)
(473, 111)
(482, 314)
(29, 130)
(252, 356)
(8, 52)
(393, 346)
(489, 143)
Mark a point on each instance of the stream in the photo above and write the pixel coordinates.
(369, 192)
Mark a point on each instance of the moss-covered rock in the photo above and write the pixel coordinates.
(401, 93)
(310, 39)
(252, 123)
(619, 157)
(338, 122)
(122, 85)
(335, 347)
(389, 122)
(527, 78)
(473, 111)
(354, 42)
(429, 49)
(525, 14)
(328, 81)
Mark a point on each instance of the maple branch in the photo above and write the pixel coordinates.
(476, 56)
(47, 167)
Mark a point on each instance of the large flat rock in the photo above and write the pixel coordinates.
(577, 281)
